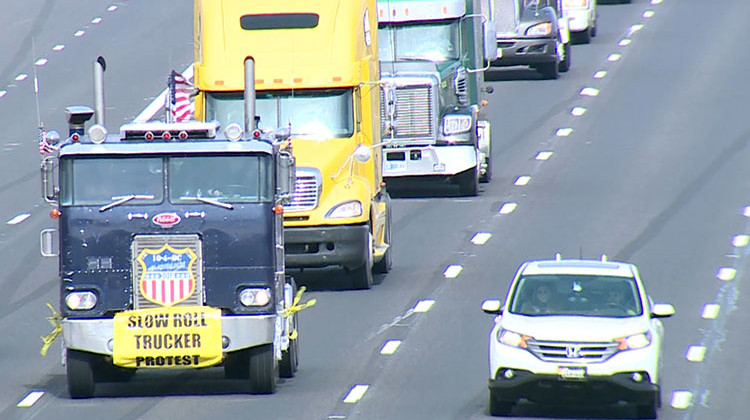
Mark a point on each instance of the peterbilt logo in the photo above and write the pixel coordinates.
(573, 352)
(167, 277)
(166, 220)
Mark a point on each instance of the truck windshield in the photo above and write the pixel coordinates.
(220, 178)
(314, 114)
(96, 181)
(102, 181)
(431, 41)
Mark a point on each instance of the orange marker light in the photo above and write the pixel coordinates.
(278, 209)
(54, 214)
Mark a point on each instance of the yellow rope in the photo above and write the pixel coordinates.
(56, 321)
(296, 307)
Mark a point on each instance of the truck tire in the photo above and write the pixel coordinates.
(487, 176)
(237, 365)
(647, 411)
(564, 65)
(361, 277)
(290, 357)
(80, 371)
(264, 369)
(468, 182)
(384, 266)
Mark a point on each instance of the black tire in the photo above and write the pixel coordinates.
(549, 70)
(468, 182)
(264, 369)
(384, 265)
(80, 371)
(593, 29)
(564, 65)
(500, 408)
(584, 37)
(237, 365)
(487, 176)
(105, 371)
(361, 277)
(647, 411)
(290, 357)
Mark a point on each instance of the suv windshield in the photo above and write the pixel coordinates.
(316, 114)
(434, 41)
(577, 295)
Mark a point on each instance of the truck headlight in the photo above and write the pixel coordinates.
(540, 29)
(635, 341)
(345, 210)
(513, 339)
(456, 124)
(253, 296)
(575, 4)
(80, 301)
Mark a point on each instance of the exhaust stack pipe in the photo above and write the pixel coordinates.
(249, 96)
(99, 66)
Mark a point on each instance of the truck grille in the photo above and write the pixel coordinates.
(306, 191)
(169, 277)
(414, 117)
(558, 351)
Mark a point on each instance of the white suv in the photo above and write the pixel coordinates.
(576, 331)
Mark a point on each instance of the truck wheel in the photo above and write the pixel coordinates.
(264, 369)
(237, 365)
(487, 176)
(105, 371)
(384, 266)
(468, 182)
(361, 277)
(565, 63)
(80, 372)
(289, 359)
(499, 408)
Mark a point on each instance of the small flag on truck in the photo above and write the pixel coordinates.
(180, 93)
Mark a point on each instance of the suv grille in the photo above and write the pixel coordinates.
(168, 289)
(560, 351)
(415, 118)
(306, 191)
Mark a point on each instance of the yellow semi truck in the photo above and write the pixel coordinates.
(316, 73)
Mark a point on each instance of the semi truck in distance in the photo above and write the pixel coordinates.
(317, 74)
(433, 54)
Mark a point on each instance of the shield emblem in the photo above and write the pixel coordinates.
(167, 277)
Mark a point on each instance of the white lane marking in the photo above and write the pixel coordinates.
(695, 353)
(635, 28)
(21, 77)
(424, 305)
(726, 273)
(481, 238)
(543, 155)
(522, 180)
(577, 111)
(390, 346)
(648, 13)
(746, 211)
(681, 399)
(655, 1)
(356, 393)
(508, 208)
(563, 132)
(3, 93)
(710, 311)
(112, 8)
(158, 103)
(452, 271)
(40, 62)
(97, 20)
(79, 33)
(601, 74)
(336, 416)
(614, 57)
(624, 42)
(58, 47)
(589, 91)
(30, 399)
(18, 219)
(740, 241)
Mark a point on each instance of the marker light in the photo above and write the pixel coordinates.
(183, 135)
(255, 296)
(75, 137)
(54, 214)
(233, 132)
(80, 301)
(148, 136)
(166, 136)
(97, 133)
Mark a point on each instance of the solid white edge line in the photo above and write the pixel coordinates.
(452, 271)
(390, 346)
(356, 393)
(30, 399)
(18, 219)
(158, 103)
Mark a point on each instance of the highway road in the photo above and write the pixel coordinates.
(640, 152)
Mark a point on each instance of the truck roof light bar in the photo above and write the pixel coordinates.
(168, 131)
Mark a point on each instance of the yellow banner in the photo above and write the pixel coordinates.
(174, 337)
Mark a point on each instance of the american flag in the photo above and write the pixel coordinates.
(181, 91)
(44, 146)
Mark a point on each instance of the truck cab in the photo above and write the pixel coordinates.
(432, 59)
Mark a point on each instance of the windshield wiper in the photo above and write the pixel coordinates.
(210, 201)
(124, 199)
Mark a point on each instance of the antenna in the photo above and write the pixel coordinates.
(36, 92)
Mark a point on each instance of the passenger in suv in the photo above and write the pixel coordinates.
(600, 343)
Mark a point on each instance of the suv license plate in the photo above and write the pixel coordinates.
(572, 373)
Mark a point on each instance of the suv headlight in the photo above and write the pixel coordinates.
(540, 29)
(80, 301)
(635, 341)
(253, 296)
(513, 339)
(456, 124)
(345, 210)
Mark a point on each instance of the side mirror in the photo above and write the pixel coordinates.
(286, 177)
(50, 184)
(490, 40)
(662, 310)
(492, 306)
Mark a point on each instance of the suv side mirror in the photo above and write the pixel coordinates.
(662, 310)
(492, 306)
